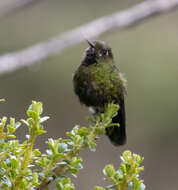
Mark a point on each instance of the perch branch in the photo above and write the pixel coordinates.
(29, 56)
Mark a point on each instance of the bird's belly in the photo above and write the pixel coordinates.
(98, 92)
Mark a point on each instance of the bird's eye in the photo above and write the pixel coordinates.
(105, 52)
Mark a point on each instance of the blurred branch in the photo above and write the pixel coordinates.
(29, 56)
(14, 6)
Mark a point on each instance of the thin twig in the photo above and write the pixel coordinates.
(29, 56)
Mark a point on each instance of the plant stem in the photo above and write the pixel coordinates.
(26, 159)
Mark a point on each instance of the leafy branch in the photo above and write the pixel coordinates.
(127, 176)
(65, 152)
(24, 167)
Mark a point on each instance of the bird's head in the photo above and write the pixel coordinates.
(98, 51)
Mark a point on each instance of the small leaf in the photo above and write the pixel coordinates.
(40, 131)
(128, 167)
(11, 136)
(30, 121)
(33, 114)
(24, 122)
(3, 121)
(36, 107)
(92, 146)
(10, 129)
(14, 162)
(109, 170)
(36, 152)
(17, 125)
(99, 131)
(62, 147)
(43, 119)
(98, 188)
(83, 131)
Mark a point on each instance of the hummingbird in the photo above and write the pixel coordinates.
(97, 82)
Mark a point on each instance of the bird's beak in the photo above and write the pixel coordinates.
(91, 44)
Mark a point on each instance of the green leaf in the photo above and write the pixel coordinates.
(17, 125)
(59, 186)
(11, 126)
(128, 167)
(99, 131)
(24, 122)
(76, 163)
(14, 162)
(33, 114)
(83, 131)
(11, 136)
(98, 188)
(36, 152)
(73, 170)
(109, 171)
(126, 155)
(43, 119)
(3, 121)
(92, 146)
(36, 107)
(62, 147)
(53, 145)
(40, 131)
(10, 129)
(30, 121)
(78, 139)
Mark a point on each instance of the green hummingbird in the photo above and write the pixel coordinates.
(97, 81)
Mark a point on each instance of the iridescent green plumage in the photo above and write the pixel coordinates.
(97, 81)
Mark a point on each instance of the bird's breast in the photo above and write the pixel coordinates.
(97, 85)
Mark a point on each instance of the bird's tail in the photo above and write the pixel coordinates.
(117, 135)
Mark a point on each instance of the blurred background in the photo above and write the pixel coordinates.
(147, 54)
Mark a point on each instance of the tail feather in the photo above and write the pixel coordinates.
(117, 135)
